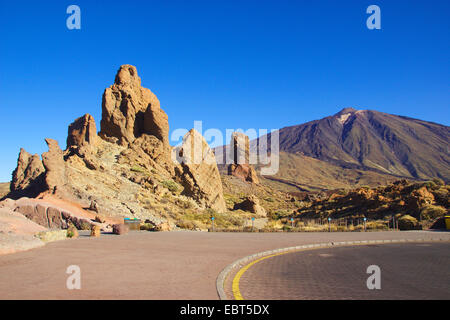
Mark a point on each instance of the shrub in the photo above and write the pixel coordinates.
(84, 225)
(376, 225)
(147, 226)
(407, 222)
(439, 182)
(170, 184)
(430, 185)
(72, 231)
(138, 169)
(432, 212)
(280, 214)
(186, 224)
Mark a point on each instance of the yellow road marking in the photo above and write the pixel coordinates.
(235, 287)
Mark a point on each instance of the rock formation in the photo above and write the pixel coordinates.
(251, 204)
(420, 200)
(241, 168)
(200, 176)
(33, 176)
(28, 175)
(51, 216)
(82, 132)
(156, 123)
(55, 168)
(127, 170)
(149, 152)
(129, 110)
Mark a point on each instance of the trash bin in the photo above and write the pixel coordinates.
(133, 224)
(447, 222)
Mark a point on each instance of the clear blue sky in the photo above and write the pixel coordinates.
(232, 64)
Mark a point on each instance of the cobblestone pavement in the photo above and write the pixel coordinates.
(152, 265)
(408, 271)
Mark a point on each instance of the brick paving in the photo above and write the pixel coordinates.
(408, 271)
(151, 265)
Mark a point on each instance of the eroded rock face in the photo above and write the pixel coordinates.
(82, 132)
(149, 152)
(55, 168)
(251, 204)
(125, 108)
(53, 217)
(156, 123)
(244, 172)
(241, 168)
(240, 143)
(199, 174)
(28, 175)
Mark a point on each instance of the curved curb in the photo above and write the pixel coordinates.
(220, 281)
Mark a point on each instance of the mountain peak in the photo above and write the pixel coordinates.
(345, 111)
(385, 143)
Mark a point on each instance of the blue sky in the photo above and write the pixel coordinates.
(232, 64)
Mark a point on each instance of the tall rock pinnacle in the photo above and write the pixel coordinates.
(129, 110)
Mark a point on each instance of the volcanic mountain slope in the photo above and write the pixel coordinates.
(362, 147)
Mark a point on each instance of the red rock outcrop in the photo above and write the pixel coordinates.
(156, 123)
(149, 152)
(28, 175)
(53, 216)
(55, 168)
(241, 168)
(125, 167)
(82, 132)
(251, 204)
(129, 110)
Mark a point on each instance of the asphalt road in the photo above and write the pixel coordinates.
(408, 271)
(152, 265)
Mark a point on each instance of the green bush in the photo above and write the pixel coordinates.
(138, 169)
(432, 212)
(171, 185)
(279, 214)
(439, 182)
(408, 222)
(147, 226)
(431, 185)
